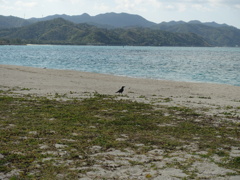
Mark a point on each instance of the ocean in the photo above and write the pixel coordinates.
(189, 64)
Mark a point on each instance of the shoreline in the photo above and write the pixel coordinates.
(77, 84)
(121, 76)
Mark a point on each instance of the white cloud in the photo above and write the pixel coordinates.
(227, 3)
(137, 5)
(66, 1)
(12, 7)
(181, 7)
(155, 3)
(203, 3)
(200, 7)
(170, 7)
(26, 4)
(77, 1)
(102, 7)
(237, 6)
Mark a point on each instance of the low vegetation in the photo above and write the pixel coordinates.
(42, 138)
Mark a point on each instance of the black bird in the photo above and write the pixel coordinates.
(121, 90)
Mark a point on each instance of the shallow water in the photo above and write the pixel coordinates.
(190, 64)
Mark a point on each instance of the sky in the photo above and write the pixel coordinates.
(219, 11)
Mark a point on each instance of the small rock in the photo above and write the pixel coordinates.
(156, 152)
(1, 156)
(47, 159)
(52, 132)
(11, 125)
(139, 145)
(32, 132)
(59, 146)
(235, 152)
(124, 135)
(44, 147)
(96, 149)
(74, 134)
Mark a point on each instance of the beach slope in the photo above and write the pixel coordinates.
(48, 81)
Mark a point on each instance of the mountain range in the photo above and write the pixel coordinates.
(61, 31)
(206, 34)
(108, 20)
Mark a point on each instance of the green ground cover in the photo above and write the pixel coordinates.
(42, 137)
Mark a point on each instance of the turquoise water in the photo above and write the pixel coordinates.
(191, 64)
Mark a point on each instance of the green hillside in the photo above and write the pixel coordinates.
(12, 22)
(60, 31)
(215, 35)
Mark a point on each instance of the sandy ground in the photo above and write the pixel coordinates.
(77, 84)
(212, 99)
